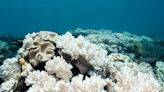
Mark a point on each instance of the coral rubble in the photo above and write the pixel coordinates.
(48, 62)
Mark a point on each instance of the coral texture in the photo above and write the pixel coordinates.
(59, 67)
(160, 72)
(9, 69)
(8, 85)
(140, 48)
(112, 42)
(42, 82)
(48, 62)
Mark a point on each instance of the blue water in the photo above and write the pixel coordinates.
(143, 17)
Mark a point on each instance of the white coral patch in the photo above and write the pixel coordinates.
(42, 82)
(118, 57)
(38, 77)
(9, 69)
(76, 47)
(59, 67)
(92, 84)
(114, 76)
(130, 78)
(8, 85)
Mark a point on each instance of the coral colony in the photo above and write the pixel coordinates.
(48, 62)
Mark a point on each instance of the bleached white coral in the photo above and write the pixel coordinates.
(38, 47)
(41, 52)
(27, 42)
(8, 85)
(92, 84)
(47, 36)
(42, 82)
(118, 57)
(111, 41)
(9, 69)
(38, 77)
(78, 57)
(80, 47)
(160, 72)
(59, 67)
(140, 82)
(130, 78)
(75, 47)
(26, 69)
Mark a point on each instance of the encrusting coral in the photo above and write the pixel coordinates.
(48, 62)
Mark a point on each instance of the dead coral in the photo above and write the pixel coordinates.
(41, 52)
(59, 57)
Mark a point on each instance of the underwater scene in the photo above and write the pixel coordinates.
(81, 46)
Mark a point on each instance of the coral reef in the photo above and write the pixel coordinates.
(138, 48)
(113, 42)
(9, 69)
(160, 72)
(9, 46)
(48, 62)
(3, 47)
(59, 67)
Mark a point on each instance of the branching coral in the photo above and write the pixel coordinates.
(113, 42)
(131, 78)
(9, 69)
(77, 47)
(59, 67)
(42, 82)
(8, 85)
(160, 72)
(48, 62)
(118, 57)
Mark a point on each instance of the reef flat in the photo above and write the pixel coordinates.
(82, 61)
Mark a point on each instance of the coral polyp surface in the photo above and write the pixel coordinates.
(48, 62)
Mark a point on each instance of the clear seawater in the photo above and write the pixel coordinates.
(143, 17)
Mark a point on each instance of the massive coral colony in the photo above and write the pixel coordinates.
(48, 62)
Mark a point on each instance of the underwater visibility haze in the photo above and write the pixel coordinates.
(143, 17)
